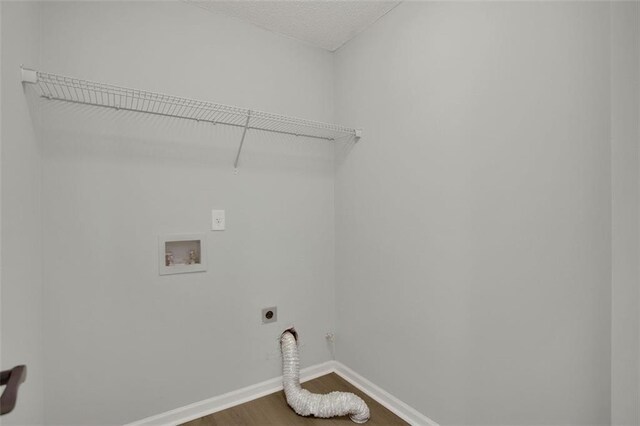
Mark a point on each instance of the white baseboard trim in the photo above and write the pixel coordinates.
(384, 398)
(230, 399)
(249, 393)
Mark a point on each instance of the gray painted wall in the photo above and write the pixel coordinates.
(625, 138)
(21, 275)
(473, 222)
(476, 220)
(122, 342)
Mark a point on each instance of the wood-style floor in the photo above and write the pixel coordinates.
(273, 409)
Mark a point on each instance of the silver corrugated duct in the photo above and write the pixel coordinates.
(306, 403)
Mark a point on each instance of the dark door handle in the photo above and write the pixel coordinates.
(11, 379)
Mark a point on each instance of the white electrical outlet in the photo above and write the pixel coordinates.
(217, 220)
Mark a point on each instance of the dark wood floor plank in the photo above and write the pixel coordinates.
(273, 409)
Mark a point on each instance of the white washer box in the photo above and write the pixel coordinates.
(180, 254)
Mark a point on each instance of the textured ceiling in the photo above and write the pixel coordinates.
(326, 24)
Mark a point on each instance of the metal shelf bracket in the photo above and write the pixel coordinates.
(28, 76)
(244, 134)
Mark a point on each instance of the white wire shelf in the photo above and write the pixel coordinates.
(75, 90)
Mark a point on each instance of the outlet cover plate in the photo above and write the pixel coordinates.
(269, 315)
(218, 222)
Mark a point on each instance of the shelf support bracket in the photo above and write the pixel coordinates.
(28, 75)
(244, 133)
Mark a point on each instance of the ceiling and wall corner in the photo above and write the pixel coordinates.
(325, 24)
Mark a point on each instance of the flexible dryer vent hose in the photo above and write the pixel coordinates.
(306, 403)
